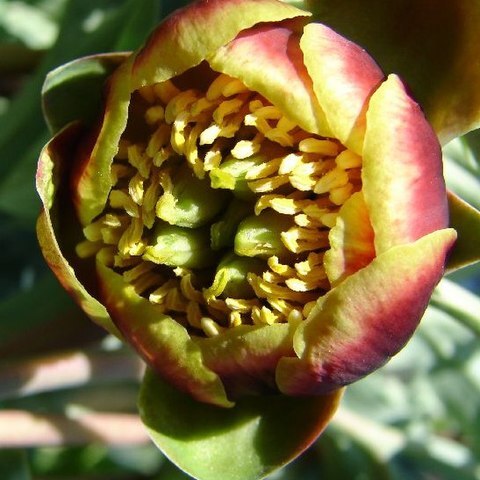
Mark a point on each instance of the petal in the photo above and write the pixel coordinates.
(161, 341)
(344, 76)
(282, 78)
(181, 42)
(50, 173)
(351, 241)
(402, 171)
(368, 318)
(245, 357)
(192, 34)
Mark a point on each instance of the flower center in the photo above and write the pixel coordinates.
(221, 207)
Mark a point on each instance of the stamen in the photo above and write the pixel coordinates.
(322, 147)
(121, 199)
(210, 327)
(247, 148)
(340, 195)
(179, 104)
(226, 108)
(158, 140)
(135, 188)
(268, 184)
(165, 91)
(215, 89)
(222, 171)
(348, 159)
(333, 179)
(299, 240)
(158, 296)
(154, 114)
(137, 271)
(137, 159)
(87, 248)
(194, 315)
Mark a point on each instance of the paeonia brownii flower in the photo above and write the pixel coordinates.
(259, 210)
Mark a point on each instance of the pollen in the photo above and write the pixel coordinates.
(221, 207)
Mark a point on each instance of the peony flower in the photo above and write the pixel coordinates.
(258, 210)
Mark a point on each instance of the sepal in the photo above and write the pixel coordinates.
(257, 436)
(73, 92)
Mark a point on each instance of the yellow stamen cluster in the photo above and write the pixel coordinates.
(237, 141)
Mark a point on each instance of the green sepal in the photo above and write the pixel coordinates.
(465, 219)
(249, 441)
(55, 223)
(73, 92)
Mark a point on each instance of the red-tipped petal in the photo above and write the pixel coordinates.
(344, 77)
(268, 60)
(245, 357)
(160, 340)
(192, 34)
(368, 318)
(402, 175)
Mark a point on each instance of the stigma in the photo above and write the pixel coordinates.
(221, 207)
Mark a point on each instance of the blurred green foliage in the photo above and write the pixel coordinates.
(418, 418)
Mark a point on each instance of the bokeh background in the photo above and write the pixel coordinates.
(68, 392)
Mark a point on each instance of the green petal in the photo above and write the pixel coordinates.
(192, 34)
(50, 175)
(73, 92)
(93, 181)
(433, 46)
(466, 221)
(159, 339)
(247, 442)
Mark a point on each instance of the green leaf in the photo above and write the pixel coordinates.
(30, 323)
(74, 91)
(13, 465)
(17, 195)
(466, 221)
(255, 437)
(86, 28)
